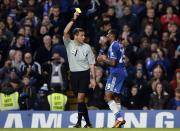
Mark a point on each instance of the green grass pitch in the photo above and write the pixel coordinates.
(92, 129)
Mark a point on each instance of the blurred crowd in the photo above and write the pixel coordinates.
(34, 64)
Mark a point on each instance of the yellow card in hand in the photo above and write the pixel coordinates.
(78, 10)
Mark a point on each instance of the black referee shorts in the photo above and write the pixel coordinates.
(80, 81)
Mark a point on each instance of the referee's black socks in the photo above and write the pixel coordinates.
(82, 111)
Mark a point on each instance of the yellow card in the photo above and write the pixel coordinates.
(78, 10)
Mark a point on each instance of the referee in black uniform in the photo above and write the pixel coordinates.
(81, 62)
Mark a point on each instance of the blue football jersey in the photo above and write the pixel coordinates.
(116, 51)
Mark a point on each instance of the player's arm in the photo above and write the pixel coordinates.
(68, 27)
(110, 62)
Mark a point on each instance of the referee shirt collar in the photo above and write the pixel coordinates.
(78, 44)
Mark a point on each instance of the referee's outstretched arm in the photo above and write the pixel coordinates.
(69, 25)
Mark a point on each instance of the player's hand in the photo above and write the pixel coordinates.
(99, 59)
(93, 83)
(104, 57)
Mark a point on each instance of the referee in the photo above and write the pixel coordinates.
(81, 63)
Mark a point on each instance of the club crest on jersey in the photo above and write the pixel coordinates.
(112, 54)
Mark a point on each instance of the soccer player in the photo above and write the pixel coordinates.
(117, 75)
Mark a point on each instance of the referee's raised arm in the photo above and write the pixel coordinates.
(68, 27)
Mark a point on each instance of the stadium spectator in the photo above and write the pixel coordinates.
(134, 100)
(175, 83)
(21, 31)
(9, 98)
(31, 19)
(5, 71)
(28, 94)
(4, 8)
(112, 16)
(57, 100)
(153, 19)
(47, 5)
(8, 34)
(46, 22)
(4, 45)
(11, 25)
(96, 96)
(149, 4)
(176, 58)
(31, 69)
(103, 29)
(20, 44)
(14, 79)
(57, 21)
(158, 57)
(159, 98)
(169, 17)
(55, 73)
(131, 71)
(43, 31)
(130, 19)
(43, 54)
(142, 86)
(148, 32)
(175, 6)
(41, 101)
(34, 5)
(160, 75)
(173, 34)
(58, 47)
(118, 5)
(127, 37)
(167, 45)
(17, 61)
(138, 9)
(11, 54)
(144, 51)
(29, 39)
(174, 103)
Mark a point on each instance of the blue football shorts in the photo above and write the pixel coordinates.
(115, 82)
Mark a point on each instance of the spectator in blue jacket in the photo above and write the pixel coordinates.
(174, 103)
